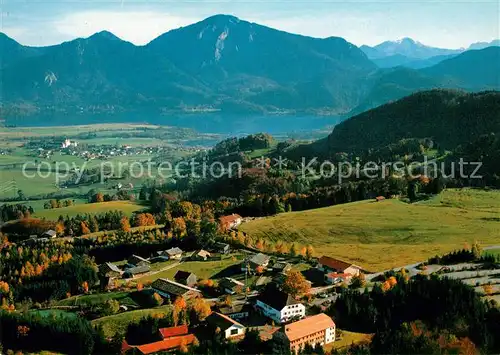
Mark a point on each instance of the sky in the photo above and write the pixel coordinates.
(445, 24)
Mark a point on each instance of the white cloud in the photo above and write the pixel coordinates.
(138, 27)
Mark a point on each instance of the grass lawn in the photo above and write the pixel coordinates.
(347, 339)
(127, 207)
(87, 300)
(118, 323)
(391, 233)
(202, 269)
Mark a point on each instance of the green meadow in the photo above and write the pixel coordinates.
(391, 233)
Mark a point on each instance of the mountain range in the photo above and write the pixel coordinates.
(219, 64)
(413, 54)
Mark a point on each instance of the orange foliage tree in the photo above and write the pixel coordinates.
(125, 224)
(296, 284)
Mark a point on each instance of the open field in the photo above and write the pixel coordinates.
(347, 339)
(126, 207)
(202, 269)
(88, 300)
(118, 323)
(382, 235)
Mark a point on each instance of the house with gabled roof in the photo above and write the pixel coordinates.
(109, 270)
(172, 253)
(317, 330)
(171, 290)
(257, 260)
(222, 248)
(173, 338)
(328, 264)
(231, 286)
(201, 255)
(137, 260)
(278, 305)
(226, 325)
(231, 221)
(237, 311)
(186, 278)
(134, 271)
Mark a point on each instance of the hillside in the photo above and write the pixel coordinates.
(471, 71)
(126, 207)
(221, 64)
(382, 235)
(449, 117)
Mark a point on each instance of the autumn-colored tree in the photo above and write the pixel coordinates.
(309, 252)
(206, 283)
(296, 284)
(144, 219)
(259, 269)
(477, 250)
(59, 228)
(201, 309)
(179, 226)
(157, 299)
(84, 229)
(183, 346)
(125, 224)
(358, 281)
(228, 301)
(4, 287)
(488, 289)
(180, 306)
(392, 281)
(260, 244)
(140, 286)
(99, 197)
(85, 287)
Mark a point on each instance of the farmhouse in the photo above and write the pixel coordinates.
(109, 270)
(134, 271)
(228, 326)
(328, 264)
(186, 278)
(258, 260)
(230, 285)
(49, 234)
(222, 248)
(230, 222)
(173, 253)
(279, 306)
(137, 260)
(314, 330)
(171, 289)
(333, 278)
(282, 267)
(172, 339)
(201, 255)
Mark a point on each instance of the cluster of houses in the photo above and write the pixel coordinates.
(137, 265)
(272, 302)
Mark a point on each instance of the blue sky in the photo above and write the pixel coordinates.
(448, 24)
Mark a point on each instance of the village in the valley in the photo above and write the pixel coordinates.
(282, 302)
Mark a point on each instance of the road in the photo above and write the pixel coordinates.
(412, 268)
